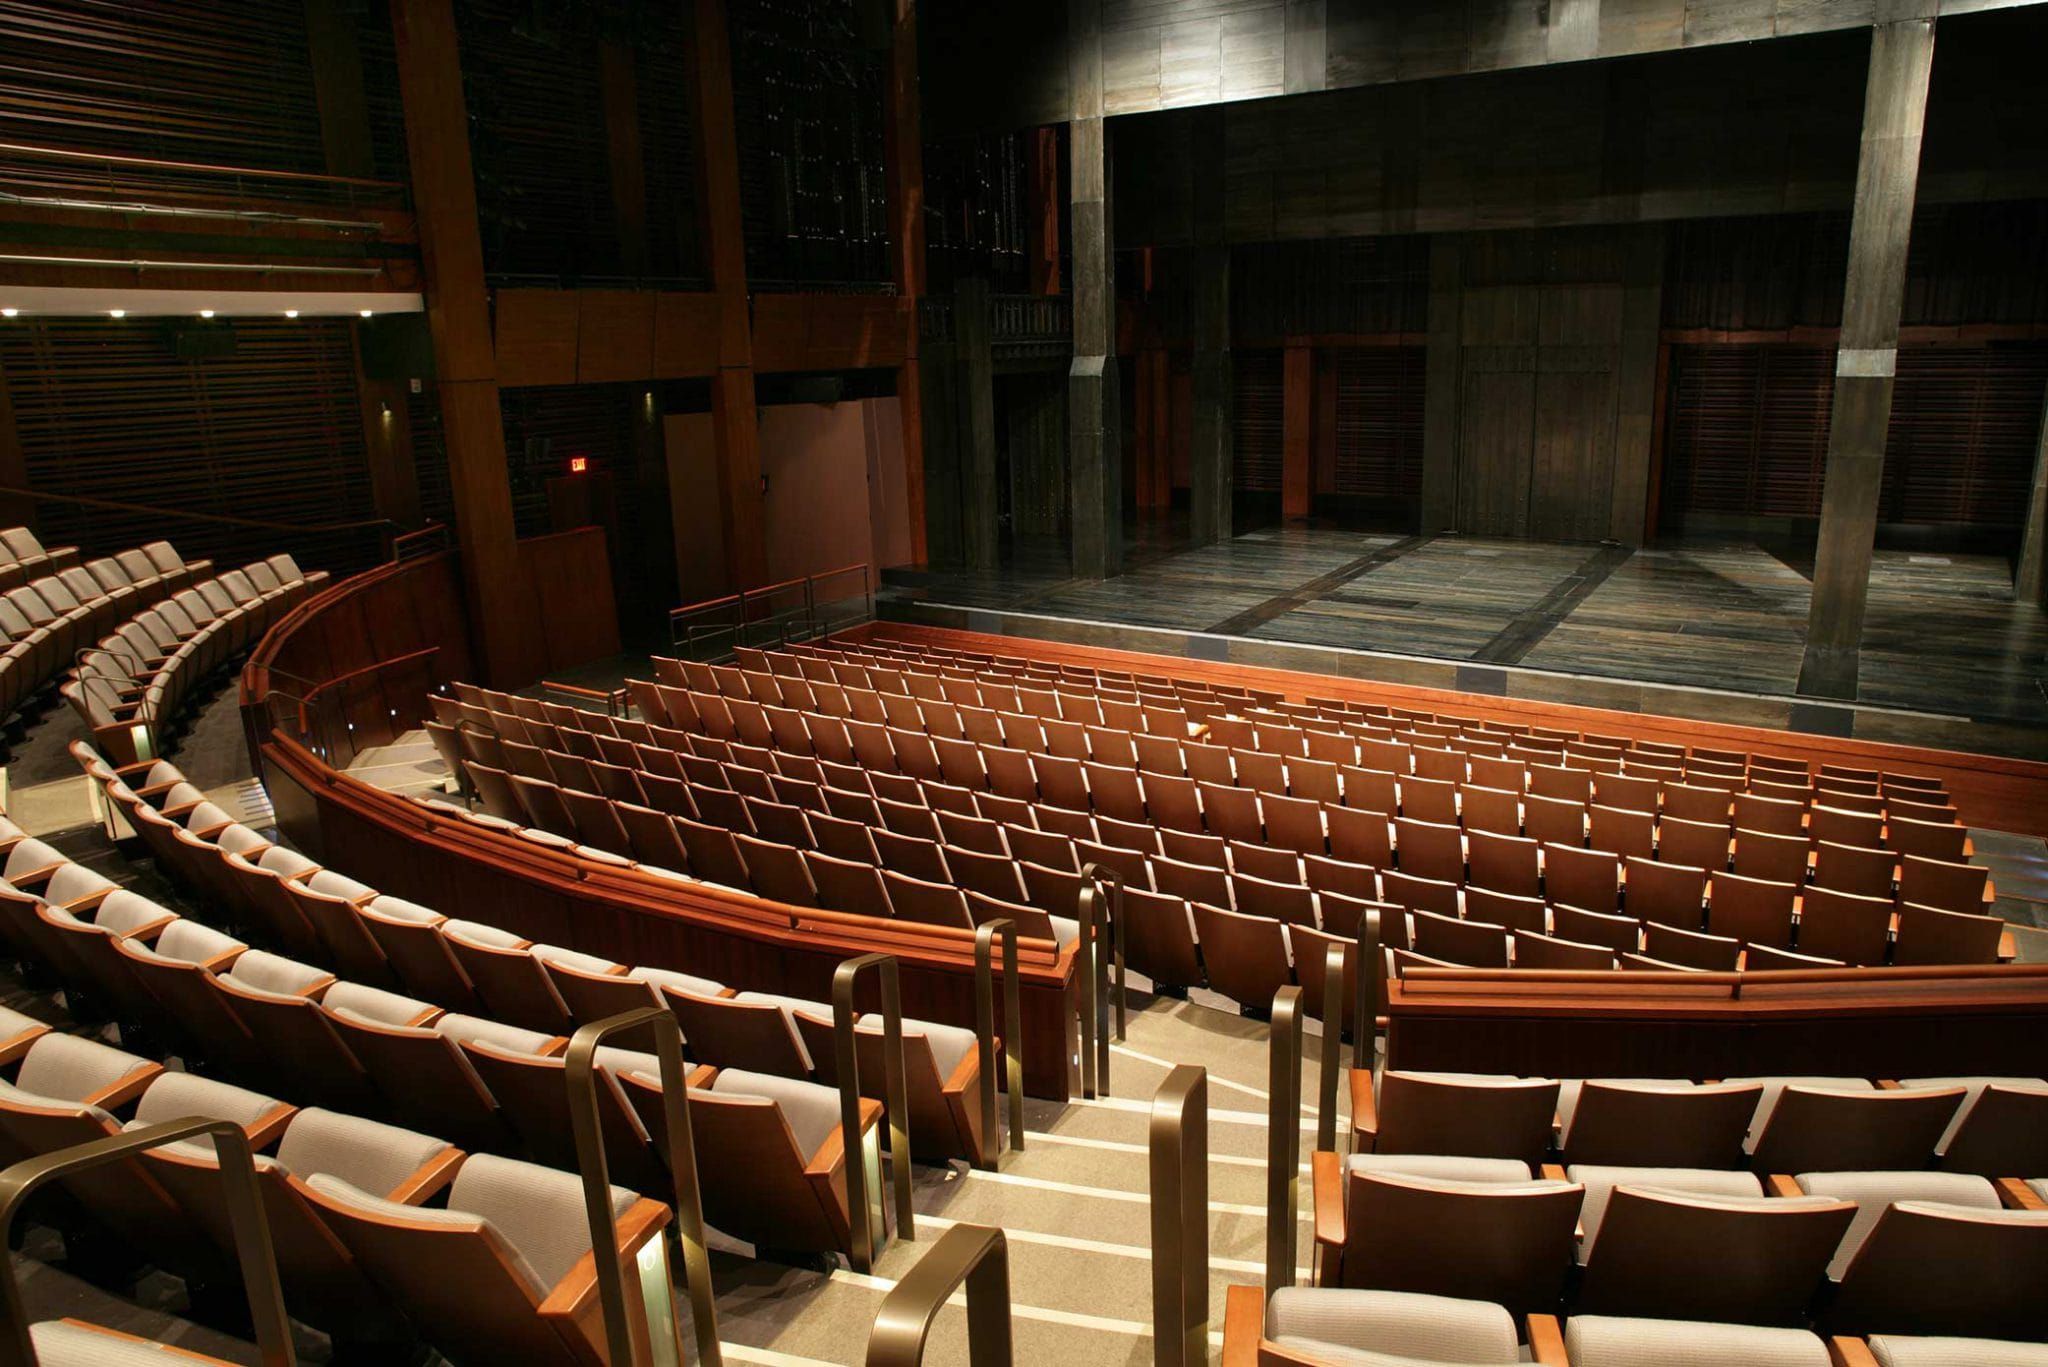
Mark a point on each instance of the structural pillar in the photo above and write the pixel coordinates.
(1212, 436)
(1095, 445)
(1441, 383)
(903, 157)
(1042, 228)
(735, 421)
(1887, 170)
(458, 314)
(1297, 429)
(2030, 579)
(975, 348)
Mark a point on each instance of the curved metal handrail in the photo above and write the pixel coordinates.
(1283, 1138)
(246, 1218)
(581, 1071)
(846, 1054)
(975, 1254)
(1099, 909)
(1333, 1045)
(1179, 1144)
(985, 1031)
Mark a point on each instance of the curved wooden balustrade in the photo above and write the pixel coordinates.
(391, 613)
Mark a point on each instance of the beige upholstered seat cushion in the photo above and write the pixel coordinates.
(175, 1096)
(15, 1097)
(364, 1153)
(1389, 1327)
(1902, 1350)
(572, 959)
(2039, 1186)
(482, 936)
(508, 1037)
(275, 973)
(71, 1068)
(538, 1210)
(398, 909)
(189, 942)
(949, 1043)
(374, 1004)
(682, 982)
(1874, 1192)
(1440, 1167)
(810, 1109)
(59, 1344)
(1615, 1341)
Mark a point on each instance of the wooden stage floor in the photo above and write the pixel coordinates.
(1704, 629)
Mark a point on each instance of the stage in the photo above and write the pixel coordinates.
(1710, 630)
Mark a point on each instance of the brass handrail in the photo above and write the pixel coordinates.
(1179, 1135)
(582, 1075)
(1333, 1046)
(860, 1221)
(1099, 909)
(985, 1031)
(975, 1254)
(1283, 1138)
(246, 1218)
(1365, 1011)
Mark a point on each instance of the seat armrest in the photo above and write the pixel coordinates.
(2017, 1195)
(421, 1186)
(1365, 1115)
(1546, 1341)
(126, 1091)
(270, 1127)
(1327, 1180)
(1781, 1184)
(1244, 1324)
(1848, 1352)
(575, 1296)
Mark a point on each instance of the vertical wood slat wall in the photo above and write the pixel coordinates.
(1379, 426)
(1748, 429)
(106, 409)
(1258, 413)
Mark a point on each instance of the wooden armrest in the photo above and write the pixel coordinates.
(1365, 1115)
(223, 961)
(1553, 1172)
(41, 875)
(437, 1172)
(127, 1090)
(1781, 1184)
(1244, 1324)
(1848, 1352)
(2017, 1195)
(269, 1128)
(89, 901)
(2008, 948)
(1327, 1182)
(575, 1296)
(1546, 1341)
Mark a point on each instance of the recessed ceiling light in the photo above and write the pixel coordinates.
(8, 313)
(206, 313)
(291, 313)
(367, 313)
(117, 313)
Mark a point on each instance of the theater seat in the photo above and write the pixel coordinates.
(1620, 1341)
(1339, 1325)
(502, 1274)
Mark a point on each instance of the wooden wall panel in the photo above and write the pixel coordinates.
(1494, 451)
(535, 333)
(614, 335)
(830, 331)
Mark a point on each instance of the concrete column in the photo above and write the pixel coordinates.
(973, 336)
(1887, 170)
(1442, 381)
(2030, 579)
(1095, 445)
(1212, 432)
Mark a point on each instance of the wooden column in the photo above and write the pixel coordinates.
(735, 422)
(975, 348)
(625, 159)
(1442, 381)
(2029, 580)
(1212, 436)
(903, 155)
(1095, 446)
(444, 200)
(1887, 172)
(1042, 145)
(1297, 430)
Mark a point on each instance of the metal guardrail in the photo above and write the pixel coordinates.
(1333, 1046)
(246, 1218)
(428, 540)
(975, 1254)
(584, 1119)
(1179, 1145)
(1283, 1138)
(713, 629)
(1099, 910)
(867, 1240)
(985, 1032)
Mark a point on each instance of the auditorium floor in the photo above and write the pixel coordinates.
(1948, 657)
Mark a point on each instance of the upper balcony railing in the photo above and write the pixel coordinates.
(64, 179)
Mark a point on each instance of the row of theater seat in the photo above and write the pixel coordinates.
(369, 1222)
(23, 557)
(1724, 1224)
(140, 674)
(46, 621)
(766, 833)
(539, 990)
